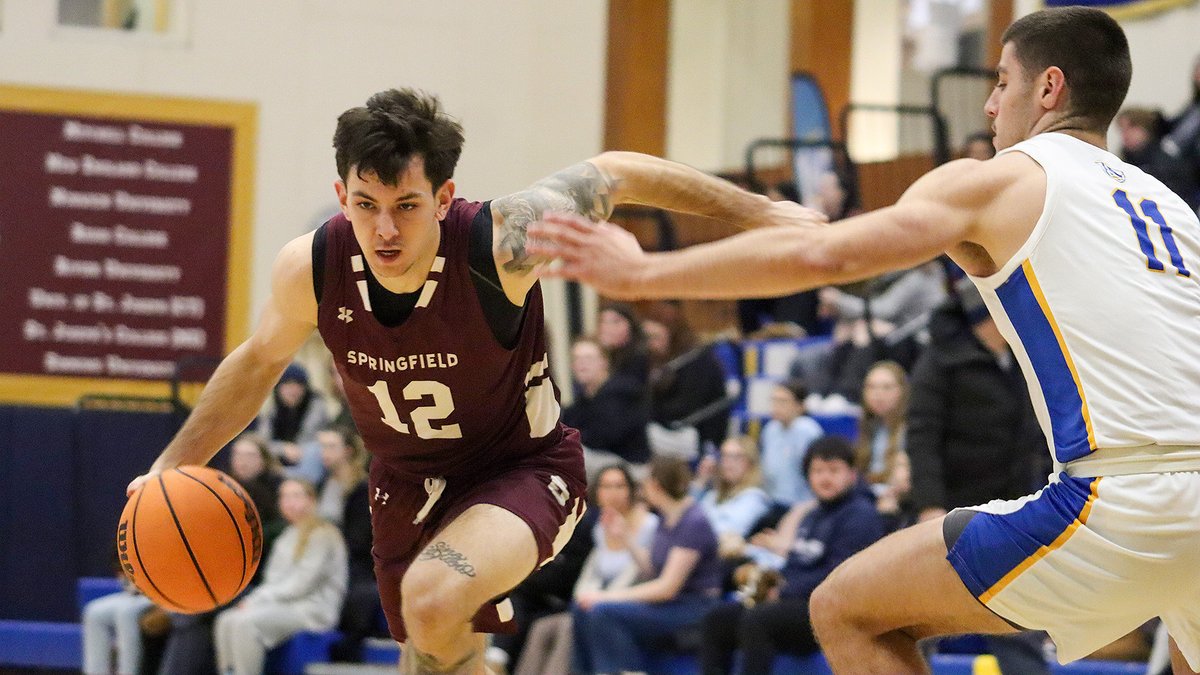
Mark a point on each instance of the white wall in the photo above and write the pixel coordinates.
(728, 79)
(526, 79)
(1163, 48)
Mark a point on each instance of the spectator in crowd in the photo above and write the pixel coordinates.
(732, 497)
(979, 146)
(685, 378)
(881, 320)
(291, 420)
(302, 589)
(619, 331)
(614, 627)
(1142, 146)
(1183, 135)
(879, 455)
(794, 314)
(112, 627)
(625, 524)
(785, 440)
(258, 472)
(343, 500)
(337, 392)
(843, 522)
(609, 409)
(972, 433)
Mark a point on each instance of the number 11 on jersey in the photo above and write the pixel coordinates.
(422, 417)
(1150, 208)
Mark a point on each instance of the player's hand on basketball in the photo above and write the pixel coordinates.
(599, 254)
(139, 482)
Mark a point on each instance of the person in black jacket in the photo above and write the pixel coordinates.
(972, 434)
(843, 523)
(686, 378)
(609, 410)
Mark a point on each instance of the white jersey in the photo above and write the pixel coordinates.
(1101, 306)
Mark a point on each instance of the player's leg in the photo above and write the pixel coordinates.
(869, 614)
(480, 555)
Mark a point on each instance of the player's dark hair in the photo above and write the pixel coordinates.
(394, 126)
(828, 448)
(672, 475)
(1088, 46)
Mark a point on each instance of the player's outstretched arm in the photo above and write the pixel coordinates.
(245, 377)
(941, 211)
(593, 188)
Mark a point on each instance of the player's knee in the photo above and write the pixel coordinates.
(431, 598)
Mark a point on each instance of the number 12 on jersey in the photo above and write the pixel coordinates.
(1150, 209)
(440, 409)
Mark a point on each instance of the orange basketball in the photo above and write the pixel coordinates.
(190, 539)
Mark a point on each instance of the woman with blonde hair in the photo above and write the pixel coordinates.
(879, 455)
(734, 499)
(302, 588)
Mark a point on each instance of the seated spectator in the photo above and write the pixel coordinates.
(614, 627)
(302, 589)
(290, 422)
(609, 409)
(879, 454)
(843, 523)
(686, 381)
(1183, 130)
(1142, 146)
(785, 440)
(258, 472)
(624, 524)
(344, 501)
(880, 321)
(733, 499)
(112, 628)
(619, 331)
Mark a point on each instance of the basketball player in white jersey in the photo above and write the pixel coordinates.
(1091, 269)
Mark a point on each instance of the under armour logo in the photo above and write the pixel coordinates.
(344, 314)
(381, 497)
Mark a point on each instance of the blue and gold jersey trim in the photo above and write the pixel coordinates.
(1027, 310)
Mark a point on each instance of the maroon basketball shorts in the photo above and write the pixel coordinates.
(547, 491)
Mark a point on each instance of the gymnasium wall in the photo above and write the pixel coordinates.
(526, 79)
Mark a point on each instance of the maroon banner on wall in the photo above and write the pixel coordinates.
(115, 244)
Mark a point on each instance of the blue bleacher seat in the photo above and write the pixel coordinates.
(90, 588)
(304, 648)
(41, 644)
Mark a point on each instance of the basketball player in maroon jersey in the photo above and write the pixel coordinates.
(432, 310)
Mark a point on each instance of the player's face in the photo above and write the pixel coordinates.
(1013, 104)
(830, 478)
(396, 225)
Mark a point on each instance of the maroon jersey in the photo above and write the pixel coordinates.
(437, 395)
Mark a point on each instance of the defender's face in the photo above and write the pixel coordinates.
(396, 225)
(1013, 103)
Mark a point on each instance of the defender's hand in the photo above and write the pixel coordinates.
(599, 254)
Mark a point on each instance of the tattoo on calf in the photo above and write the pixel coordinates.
(454, 560)
(578, 189)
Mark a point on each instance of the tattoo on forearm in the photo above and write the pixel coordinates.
(415, 662)
(454, 560)
(581, 189)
